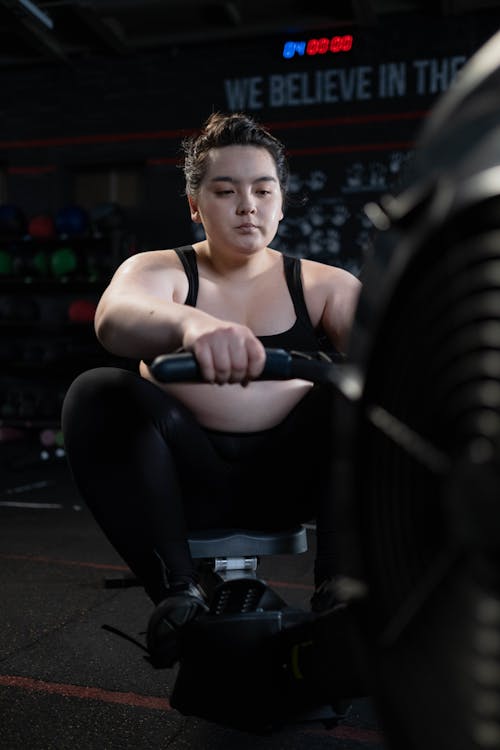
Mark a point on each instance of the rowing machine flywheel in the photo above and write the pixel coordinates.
(420, 499)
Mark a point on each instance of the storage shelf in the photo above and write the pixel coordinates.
(42, 350)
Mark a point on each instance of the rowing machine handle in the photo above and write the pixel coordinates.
(183, 367)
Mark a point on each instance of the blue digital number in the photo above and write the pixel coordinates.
(292, 48)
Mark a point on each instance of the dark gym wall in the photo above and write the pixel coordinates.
(349, 119)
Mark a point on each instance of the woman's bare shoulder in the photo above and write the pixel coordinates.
(150, 260)
(314, 272)
(157, 271)
(148, 264)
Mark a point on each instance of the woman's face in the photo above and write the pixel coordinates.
(239, 202)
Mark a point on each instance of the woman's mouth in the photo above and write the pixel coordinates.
(246, 227)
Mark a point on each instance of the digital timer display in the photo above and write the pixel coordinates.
(318, 46)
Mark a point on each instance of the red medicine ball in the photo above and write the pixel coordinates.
(82, 311)
(42, 227)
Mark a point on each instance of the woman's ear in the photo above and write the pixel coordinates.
(193, 207)
(283, 200)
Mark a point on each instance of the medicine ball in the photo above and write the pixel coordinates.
(42, 227)
(106, 217)
(72, 221)
(63, 261)
(6, 265)
(82, 311)
(13, 222)
(40, 263)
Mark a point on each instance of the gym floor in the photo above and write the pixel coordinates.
(68, 682)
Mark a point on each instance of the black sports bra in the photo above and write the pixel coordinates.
(302, 336)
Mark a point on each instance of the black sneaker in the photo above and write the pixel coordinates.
(325, 596)
(182, 604)
(337, 591)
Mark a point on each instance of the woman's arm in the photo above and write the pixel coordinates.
(141, 314)
(331, 295)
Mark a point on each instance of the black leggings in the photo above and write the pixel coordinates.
(149, 472)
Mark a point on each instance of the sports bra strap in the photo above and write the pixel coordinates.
(187, 257)
(294, 282)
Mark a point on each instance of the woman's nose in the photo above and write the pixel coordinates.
(246, 205)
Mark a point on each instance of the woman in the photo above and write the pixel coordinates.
(169, 458)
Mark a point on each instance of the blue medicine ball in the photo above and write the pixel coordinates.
(106, 217)
(13, 221)
(72, 221)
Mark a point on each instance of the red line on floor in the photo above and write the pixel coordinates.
(56, 561)
(85, 693)
(287, 585)
(345, 732)
(153, 702)
(109, 566)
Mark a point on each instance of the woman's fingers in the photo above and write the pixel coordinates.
(229, 355)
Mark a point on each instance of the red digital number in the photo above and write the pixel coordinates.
(323, 45)
(312, 47)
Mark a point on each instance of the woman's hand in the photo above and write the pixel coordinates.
(225, 352)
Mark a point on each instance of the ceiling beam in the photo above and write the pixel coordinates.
(32, 31)
(108, 33)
